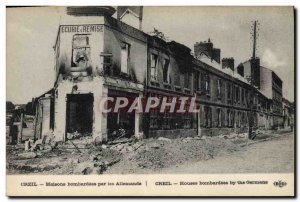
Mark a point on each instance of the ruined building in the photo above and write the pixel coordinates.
(98, 56)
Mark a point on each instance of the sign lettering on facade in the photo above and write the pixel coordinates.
(81, 28)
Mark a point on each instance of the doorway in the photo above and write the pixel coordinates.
(79, 117)
(121, 123)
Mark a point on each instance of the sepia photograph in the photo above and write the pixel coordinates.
(136, 91)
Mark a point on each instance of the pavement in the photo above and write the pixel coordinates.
(272, 155)
(269, 152)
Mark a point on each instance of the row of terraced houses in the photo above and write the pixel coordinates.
(98, 55)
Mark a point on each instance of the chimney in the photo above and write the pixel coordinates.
(228, 63)
(240, 70)
(208, 49)
(131, 15)
(216, 55)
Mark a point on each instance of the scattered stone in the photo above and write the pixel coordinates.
(20, 146)
(46, 148)
(54, 144)
(39, 141)
(120, 147)
(98, 141)
(36, 145)
(71, 161)
(123, 140)
(112, 161)
(83, 158)
(130, 149)
(93, 158)
(101, 168)
(39, 154)
(74, 135)
(27, 155)
(165, 139)
(28, 144)
(87, 171)
(155, 145)
(242, 135)
(44, 139)
(137, 145)
(103, 146)
(139, 136)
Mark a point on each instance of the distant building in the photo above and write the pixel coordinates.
(269, 84)
(288, 113)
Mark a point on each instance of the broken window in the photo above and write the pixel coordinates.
(125, 48)
(196, 81)
(153, 118)
(187, 121)
(166, 74)
(207, 84)
(238, 94)
(106, 61)
(238, 119)
(166, 120)
(219, 87)
(81, 50)
(187, 80)
(219, 117)
(228, 117)
(228, 92)
(208, 116)
(235, 93)
(202, 81)
(243, 96)
(232, 118)
(153, 73)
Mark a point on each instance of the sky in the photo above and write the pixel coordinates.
(31, 34)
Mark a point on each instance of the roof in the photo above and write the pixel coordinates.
(205, 59)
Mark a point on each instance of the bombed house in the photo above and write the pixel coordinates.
(98, 57)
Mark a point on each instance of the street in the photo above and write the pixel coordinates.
(270, 152)
(273, 156)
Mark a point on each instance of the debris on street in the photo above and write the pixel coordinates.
(123, 155)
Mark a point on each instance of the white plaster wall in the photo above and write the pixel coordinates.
(46, 116)
(65, 40)
(96, 88)
(131, 20)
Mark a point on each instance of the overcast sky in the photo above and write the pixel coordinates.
(31, 34)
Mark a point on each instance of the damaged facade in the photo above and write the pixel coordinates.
(98, 56)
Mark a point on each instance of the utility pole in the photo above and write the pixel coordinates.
(253, 65)
(254, 40)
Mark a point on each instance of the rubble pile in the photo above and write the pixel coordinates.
(123, 155)
(95, 163)
(162, 152)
